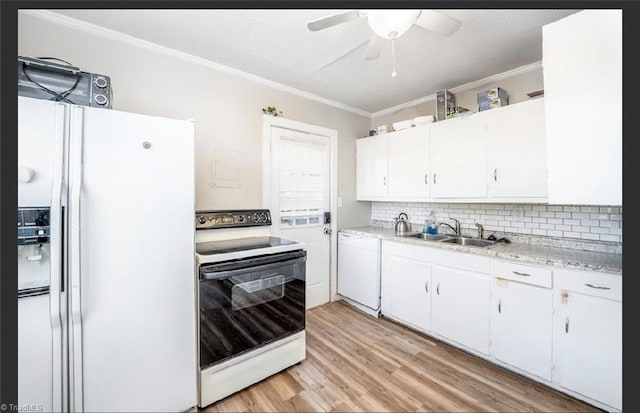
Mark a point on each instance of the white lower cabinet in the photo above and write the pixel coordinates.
(406, 286)
(589, 329)
(522, 325)
(561, 327)
(460, 308)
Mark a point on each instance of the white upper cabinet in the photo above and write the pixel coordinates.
(459, 158)
(516, 151)
(371, 168)
(582, 66)
(408, 164)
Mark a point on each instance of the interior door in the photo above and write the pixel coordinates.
(300, 196)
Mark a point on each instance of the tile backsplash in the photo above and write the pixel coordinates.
(585, 223)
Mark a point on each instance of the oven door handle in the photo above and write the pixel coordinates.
(215, 275)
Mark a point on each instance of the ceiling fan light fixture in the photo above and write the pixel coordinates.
(390, 24)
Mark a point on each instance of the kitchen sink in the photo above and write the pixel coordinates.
(472, 242)
(428, 237)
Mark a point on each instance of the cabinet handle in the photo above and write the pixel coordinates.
(597, 287)
(426, 286)
(500, 306)
(434, 179)
(495, 175)
(524, 274)
(566, 325)
(384, 181)
(426, 178)
(438, 289)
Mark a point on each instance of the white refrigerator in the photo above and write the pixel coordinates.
(106, 308)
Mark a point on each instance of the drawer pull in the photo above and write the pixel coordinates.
(426, 286)
(438, 289)
(597, 287)
(566, 325)
(524, 274)
(500, 306)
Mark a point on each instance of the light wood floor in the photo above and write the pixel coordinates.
(356, 363)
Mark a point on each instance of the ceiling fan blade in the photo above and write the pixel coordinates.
(375, 46)
(438, 22)
(334, 20)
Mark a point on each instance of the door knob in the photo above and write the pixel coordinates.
(327, 231)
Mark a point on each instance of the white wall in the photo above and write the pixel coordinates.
(227, 109)
(517, 86)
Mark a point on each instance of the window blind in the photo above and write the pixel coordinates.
(302, 183)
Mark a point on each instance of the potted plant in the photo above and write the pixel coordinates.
(271, 110)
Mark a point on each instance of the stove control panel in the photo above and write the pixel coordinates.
(232, 218)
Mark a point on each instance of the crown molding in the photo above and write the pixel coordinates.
(134, 41)
(462, 88)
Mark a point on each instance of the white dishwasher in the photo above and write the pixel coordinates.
(359, 271)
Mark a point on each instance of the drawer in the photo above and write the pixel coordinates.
(522, 273)
(461, 260)
(406, 250)
(592, 283)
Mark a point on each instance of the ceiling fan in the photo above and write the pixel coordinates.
(389, 25)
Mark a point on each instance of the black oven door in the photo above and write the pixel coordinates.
(250, 302)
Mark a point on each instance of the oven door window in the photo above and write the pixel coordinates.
(256, 292)
(249, 303)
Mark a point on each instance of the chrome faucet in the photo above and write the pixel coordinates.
(456, 230)
(480, 230)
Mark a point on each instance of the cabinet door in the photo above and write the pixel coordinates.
(516, 151)
(406, 290)
(371, 168)
(459, 158)
(460, 309)
(582, 64)
(409, 164)
(590, 330)
(521, 326)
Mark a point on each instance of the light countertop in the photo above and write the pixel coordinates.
(526, 253)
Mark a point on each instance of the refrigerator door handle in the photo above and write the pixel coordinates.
(75, 181)
(56, 276)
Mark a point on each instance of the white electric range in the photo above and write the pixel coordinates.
(251, 301)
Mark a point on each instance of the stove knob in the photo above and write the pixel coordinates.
(100, 99)
(254, 217)
(202, 219)
(263, 217)
(240, 218)
(101, 82)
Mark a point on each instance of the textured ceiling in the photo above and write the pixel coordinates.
(276, 45)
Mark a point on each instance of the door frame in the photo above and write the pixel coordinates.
(267, 122)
